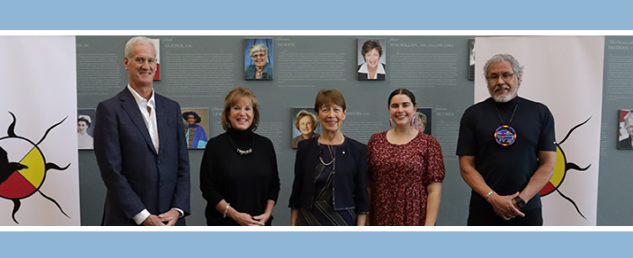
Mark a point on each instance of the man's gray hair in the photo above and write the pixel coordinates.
(518, 69)
(129, 46)
(628, 117)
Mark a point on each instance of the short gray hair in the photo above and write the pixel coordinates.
(129, 46)
(628, 117)
(257, 48)
(518, 69)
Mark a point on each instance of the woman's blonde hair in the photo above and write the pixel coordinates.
(302, 114)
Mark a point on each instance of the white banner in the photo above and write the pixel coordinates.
(39, 182)
(565, 74)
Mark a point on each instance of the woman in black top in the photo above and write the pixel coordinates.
(238, 174)
(372, 68)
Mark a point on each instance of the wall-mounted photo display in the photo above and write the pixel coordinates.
(305, 125)
(423, 119)
(196, 126)
(625, 133)
(85, 128)
(471, 59)
(156, 43)
(258, 59)
(372, 59)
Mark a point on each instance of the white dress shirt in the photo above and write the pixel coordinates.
(148, 116)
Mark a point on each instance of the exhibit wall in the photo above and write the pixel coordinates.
(198, 71)
(616, 175)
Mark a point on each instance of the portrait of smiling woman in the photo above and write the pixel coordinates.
(258, 60)
(195, 121)
(304, 126)
(85, 128)
(371, 59)
(84, 140)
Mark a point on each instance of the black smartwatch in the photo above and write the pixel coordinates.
(520, 202)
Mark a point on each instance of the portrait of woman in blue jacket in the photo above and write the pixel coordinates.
(261, 67)
(330, 185)
(195, 135)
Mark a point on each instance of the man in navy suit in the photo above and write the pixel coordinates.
(141, 149)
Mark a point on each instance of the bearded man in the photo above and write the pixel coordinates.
(506, 150)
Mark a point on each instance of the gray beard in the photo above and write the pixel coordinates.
(502, 99)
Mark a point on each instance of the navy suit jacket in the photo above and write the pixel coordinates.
(350, 179)
(137, 177)
(625, 144)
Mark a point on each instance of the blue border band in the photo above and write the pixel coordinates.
(315, 244)
(320, 15)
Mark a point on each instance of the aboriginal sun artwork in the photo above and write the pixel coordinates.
(22, 177)
(560, 171)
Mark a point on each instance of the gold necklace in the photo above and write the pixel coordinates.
(329, 147)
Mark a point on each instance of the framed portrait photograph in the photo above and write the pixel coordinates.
(423, 120)
(304, 124)
(156, 43)
(625, 132)
(371, 59)
(85, 128)
(258, 59)
(471, 59)
(196, 126)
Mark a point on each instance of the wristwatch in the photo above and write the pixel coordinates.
(520, 202)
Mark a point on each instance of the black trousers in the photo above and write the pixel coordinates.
(484, 215)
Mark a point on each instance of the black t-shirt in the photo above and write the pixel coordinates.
(508, 169)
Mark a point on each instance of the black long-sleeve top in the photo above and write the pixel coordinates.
(247, 182)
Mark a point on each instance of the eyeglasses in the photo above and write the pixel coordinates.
(495, 76)
(262, 55)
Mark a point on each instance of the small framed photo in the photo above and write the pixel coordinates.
(423, 120)
(258, 59)
(371, 59)
(305, 125)
(196, 126)
(471, 59)
(156, 43)
(85, 128)
(625, 132)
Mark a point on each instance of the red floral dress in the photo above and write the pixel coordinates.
(399, 175)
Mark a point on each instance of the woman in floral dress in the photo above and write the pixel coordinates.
(405, 169)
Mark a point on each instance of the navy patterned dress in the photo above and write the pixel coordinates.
(322, 212)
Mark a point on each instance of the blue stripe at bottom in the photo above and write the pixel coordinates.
(294, 244)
